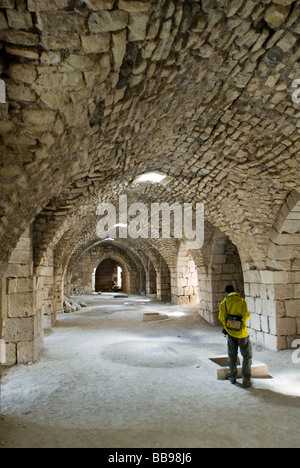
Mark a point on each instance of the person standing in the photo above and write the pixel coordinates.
(234, 315)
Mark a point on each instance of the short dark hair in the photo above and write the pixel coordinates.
(229, 289)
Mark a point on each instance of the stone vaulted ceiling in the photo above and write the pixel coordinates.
(101, 91)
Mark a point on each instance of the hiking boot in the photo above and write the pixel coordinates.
(232, 381)
(246, 384)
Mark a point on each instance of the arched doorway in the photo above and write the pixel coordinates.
(109, 276)
(223, 267)
(283, 264)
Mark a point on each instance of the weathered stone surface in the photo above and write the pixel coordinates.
(3, 22)
(22, 72)
(7, 4)
(39, 117)
(19, 329)
(50, 58)
(119, 48)
(47, 5)
(102, 92)
(96, 44)
(19, 19)
(81, 62)
(277, 14)
(106, 21)
(133, 5)
(97, 5)
(59, 41)
(138, 26)
(65, 21)
(31, 54)
(19, 38)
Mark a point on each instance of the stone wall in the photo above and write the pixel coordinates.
(273, 294)
(223, 267)
(185, 283)
(80, 277)
(22, 305)
(100, 92)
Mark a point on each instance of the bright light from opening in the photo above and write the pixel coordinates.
(153, 177)
(176, 314)
(109, 239)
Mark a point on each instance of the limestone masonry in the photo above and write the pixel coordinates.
(99, 92)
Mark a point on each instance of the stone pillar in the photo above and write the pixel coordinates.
(150, 280)
(164, 283)
(187, 278)
(58, 302)
(274, 308)
(49, 310)
(22, 306)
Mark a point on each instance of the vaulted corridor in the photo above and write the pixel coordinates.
(108, 379)
(149, 148)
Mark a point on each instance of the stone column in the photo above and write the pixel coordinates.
(22, 306)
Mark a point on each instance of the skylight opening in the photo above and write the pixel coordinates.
(152, 177)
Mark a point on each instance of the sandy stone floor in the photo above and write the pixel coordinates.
(107, 379)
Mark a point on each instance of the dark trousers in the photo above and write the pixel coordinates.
(246, 349)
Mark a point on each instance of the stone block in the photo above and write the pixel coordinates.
(138, 26)
(47, 5)
(282, 277)
(48, 322)
(292, 308)
(265, 324)
(25, 352)
(19, 285)
(272, 326)
(271, 342)
(268, 308)
(81, 62)
(96, 44)
(133, 5)
(10, 4)
(277, 14)
(19, 19)
(19, 38)
(219, 367)
(284, 291)
(286, 326)
(255, 322)
(106, 21)
(59, 41)
(22, 72)
(19, 271)
(30, 54)
(97, 5)
(10, 354)
(20, 257)
(119, 48)
(18, 329)
(39, 117)
(297, 291)
(66, 21)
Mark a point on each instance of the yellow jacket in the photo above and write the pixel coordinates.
(234, 304)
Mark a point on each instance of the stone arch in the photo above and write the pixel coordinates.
(79, 274)
(106, 273)
(223, 267)
(283, 263)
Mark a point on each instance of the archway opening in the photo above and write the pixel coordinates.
(109, 277)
